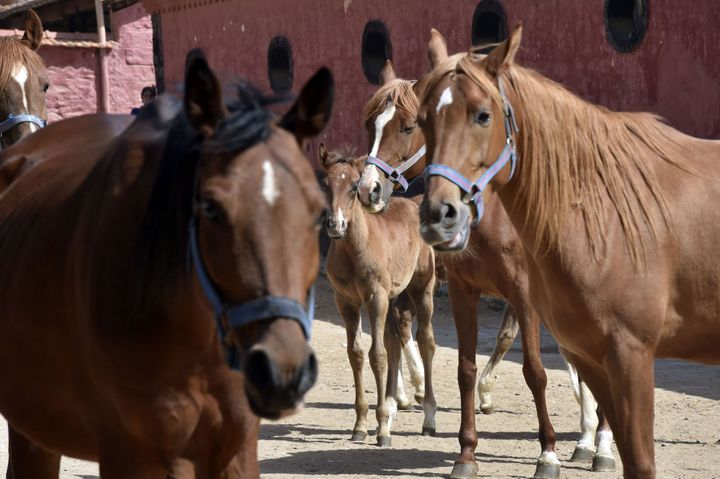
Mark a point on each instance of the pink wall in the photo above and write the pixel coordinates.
(73, 72)
(674, 72)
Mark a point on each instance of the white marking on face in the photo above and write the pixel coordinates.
(21, 75)
(445, 99)
(380, 122)
(269, 188)
(342, 176)
(340, 217)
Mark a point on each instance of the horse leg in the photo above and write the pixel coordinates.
(392, 347)
(505, 338)
(426, 341)
(603, 461)
(356, 355)
(28, 460)
(630, 367)
(122, 458)
(377, 312)
(585, 447)
(463, 302)
(412, 357)
(548, 465)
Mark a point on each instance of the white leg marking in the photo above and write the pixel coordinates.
(380, 122)
(548, 457)
(588, 418)
(604, 441)
(401, 396)
(445, 99)
(415, 365)
(269, 189)
(429, 409)
(392, 410)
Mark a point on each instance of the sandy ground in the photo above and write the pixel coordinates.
(316, 443)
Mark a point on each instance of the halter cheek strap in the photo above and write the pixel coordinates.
(474, 190)
(238, 315)
(395, 175)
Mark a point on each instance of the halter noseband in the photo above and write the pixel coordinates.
(474, 191)
(242, 314)
(14, 120)
(395, 175)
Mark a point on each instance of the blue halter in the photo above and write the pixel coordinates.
(474, 191)
(15, 120)
(395, 175)
(238, 315)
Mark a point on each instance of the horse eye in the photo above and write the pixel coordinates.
(407, 130)
(212, 210)
(482, 118)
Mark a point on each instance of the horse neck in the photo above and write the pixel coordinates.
(358, 232)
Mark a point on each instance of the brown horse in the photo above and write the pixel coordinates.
(373, 260)
(496, 257)
(23, 83)
(118, 244)
(616, 210)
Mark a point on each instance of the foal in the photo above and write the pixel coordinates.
(372, 260)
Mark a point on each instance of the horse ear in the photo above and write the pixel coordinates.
(503, 55)
(203, 97)
(388, 73)
(312, 109)
(437, 49)
(33, 30)
(323, 154)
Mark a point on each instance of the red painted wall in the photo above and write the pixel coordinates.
(73, 72)
(674, 72)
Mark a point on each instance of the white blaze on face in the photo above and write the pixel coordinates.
(445, 99)
(380, 122)
(340, 217)
(269, 188)
(20, 75)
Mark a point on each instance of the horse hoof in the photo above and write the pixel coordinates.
(384, 441)
(487, 409)
(582, 455)
(358, 436)
(464, 471)
(603, 464)
(428, 431)
(547, 471)
(404, 405)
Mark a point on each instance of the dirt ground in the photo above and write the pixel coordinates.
(315, 442)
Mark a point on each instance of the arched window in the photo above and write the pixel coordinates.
(489, 24)
(280, 65)
(376, 48)
(625, 23)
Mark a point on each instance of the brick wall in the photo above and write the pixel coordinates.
(73, 72)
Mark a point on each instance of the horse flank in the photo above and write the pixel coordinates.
(559, 172)
(12, 53)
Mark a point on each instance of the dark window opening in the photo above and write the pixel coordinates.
(489, 24)
(376, 49)
(625, 23)
(280, 65)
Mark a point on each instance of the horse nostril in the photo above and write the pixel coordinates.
(260, 372)
(376, 188)
(449, 211)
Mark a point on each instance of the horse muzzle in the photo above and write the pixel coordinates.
(445, 225)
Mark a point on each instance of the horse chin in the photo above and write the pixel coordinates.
(336, 235)
(375, 208)
(266, 411)
(457, 243)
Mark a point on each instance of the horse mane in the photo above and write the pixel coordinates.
(400, 92)
(563, 166)
(162, 242)
(12, 52)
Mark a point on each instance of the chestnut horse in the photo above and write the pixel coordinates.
(498, 268)
(23, 83)
(372, 260)
(127, 251)
(616, 210)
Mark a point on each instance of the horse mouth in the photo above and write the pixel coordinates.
(457, 243)
(274, 412)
